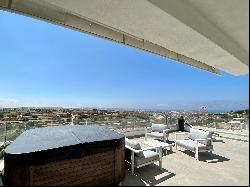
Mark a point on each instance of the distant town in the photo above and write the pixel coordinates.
(14, 121)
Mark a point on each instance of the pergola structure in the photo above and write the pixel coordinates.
(211, 35)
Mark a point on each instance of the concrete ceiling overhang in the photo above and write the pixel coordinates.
(211, 35)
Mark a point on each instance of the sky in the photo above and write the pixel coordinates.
(45, 65)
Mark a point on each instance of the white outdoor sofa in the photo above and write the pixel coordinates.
(198, 141)
(139, 157)
(158, 131)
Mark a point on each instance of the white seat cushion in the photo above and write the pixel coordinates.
(190, 144)
(155, 134)
(158, 127)
(145, 157)
(199, 134)
(132, 143)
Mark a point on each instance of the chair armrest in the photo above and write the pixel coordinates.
(166, 130)
(148, 129)
(149, 148)
(198, 140)
(210, 139)
(131, 149)
(181, 133)
(141, 150)
(201, 139)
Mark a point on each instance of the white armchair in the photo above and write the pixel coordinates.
(158, 131)
(140, 157)
(197, 141)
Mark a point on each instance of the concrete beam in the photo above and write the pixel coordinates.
(56, 15)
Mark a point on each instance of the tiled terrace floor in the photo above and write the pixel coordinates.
(229, 165)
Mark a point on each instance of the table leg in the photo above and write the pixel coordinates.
(160, 159)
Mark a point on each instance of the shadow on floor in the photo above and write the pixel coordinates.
(207, 157)
(218, 140)
(167, 152)
(147, 175)
(237, 139)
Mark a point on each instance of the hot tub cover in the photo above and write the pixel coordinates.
(42, 145)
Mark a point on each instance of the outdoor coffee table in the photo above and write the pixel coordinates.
(159, 144)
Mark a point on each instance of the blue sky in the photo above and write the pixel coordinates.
(46, 65)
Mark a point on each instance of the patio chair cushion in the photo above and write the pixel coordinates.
(199, 134)
(158, 127)
(155, 134)
(190, 144)
(134, 145)
(145, 157)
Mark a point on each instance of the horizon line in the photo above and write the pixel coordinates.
(124, 108)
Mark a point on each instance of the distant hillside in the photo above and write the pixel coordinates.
(241, 111)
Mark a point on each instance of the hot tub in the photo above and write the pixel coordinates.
(65, 155)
